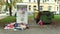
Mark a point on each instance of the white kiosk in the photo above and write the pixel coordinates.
(22, 13)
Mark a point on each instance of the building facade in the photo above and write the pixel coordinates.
(58, 1)
(45, 5)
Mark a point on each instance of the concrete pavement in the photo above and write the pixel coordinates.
(3, 16)
(45, 30)
(34, 29)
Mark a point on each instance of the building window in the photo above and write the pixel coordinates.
(57, 8)
(55, 0)
(41, 7)
(19, 1)
(29, 7)
(8, 1)
(34, 1)
(49, 7)
(29, 0)
(34, 8)
(45, 1)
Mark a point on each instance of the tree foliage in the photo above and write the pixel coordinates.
(1, 3)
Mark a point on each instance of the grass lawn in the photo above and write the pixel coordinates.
(57, 17)
(31, 16)
(7, 20)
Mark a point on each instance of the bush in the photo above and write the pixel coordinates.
(47, 16)
(7, 20)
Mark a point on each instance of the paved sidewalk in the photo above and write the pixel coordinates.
(44, 30)
(34, 29)
(2, 16)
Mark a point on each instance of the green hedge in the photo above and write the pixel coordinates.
(47, 16)
(7, 20)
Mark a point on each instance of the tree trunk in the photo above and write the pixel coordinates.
(38, 1)
(10, 11)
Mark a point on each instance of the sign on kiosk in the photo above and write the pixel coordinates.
(22, 15)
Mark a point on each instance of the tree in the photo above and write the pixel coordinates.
(14, 3)
(1, 4)
(10, 5)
